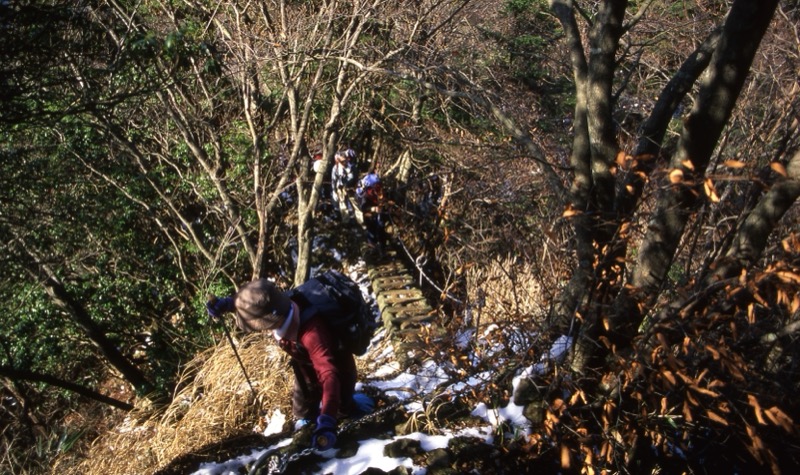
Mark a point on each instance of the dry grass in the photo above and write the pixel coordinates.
(214, 402)
(509, 289)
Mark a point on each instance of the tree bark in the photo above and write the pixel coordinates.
(751, 239)
(745, 26)
(580, 159)
(23, 375)
(63, 300)
(647, 154)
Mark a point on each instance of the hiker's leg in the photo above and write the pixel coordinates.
(346, 364)
(371, 225)
(306, 397)
(342, 200)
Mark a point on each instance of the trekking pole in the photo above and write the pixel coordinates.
(213, 299)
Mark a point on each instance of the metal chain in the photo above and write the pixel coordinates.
(278, 462)
(294, 457)
(356, 422)
(272, 465)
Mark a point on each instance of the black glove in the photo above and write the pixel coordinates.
(217, 306)
(325, 433)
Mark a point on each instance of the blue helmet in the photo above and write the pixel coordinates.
(370, 180)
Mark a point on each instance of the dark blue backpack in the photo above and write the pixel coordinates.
(337, 300)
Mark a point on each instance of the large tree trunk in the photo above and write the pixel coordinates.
(745, 26)
(593, 158)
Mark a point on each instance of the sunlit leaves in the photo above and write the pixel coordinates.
(778, 168)
(711, 192)
(734, 164)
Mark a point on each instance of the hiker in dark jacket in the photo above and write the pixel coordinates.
(325, 375)
(342, 180)
(369, 194)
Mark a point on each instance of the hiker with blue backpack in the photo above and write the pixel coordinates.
(371, 202)
(321, 324)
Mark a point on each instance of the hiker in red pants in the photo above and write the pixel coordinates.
(325, 371)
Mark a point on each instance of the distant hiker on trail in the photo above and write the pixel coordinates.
(352, 156)
(308, 325)
(371, 202)
(342, 179)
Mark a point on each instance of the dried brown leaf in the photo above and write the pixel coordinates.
(687, 412)
(734, 163)
(704, 391)
(667, 374)
(780, 419)
(716, 417)
(570, 212)
(756, 445)
(565, 458)
(623, 159)
(778, 168)
(751, 399)
(676, 176)
(788, 277)
(711, 192)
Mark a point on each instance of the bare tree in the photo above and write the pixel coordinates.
(614, 296)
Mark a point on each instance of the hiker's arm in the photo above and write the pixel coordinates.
(320, 346)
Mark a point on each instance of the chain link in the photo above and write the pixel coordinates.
(356, 422)
(295, 457)
(277, 463)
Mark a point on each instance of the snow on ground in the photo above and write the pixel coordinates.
(405, 386)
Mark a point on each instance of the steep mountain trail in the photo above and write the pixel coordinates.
(408, 328)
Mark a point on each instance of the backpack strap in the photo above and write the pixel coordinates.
(306, 309)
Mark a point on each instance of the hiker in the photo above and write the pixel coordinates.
(316, 161)
(325, 372)
(342, 179)
(371, 203)
(351, 155)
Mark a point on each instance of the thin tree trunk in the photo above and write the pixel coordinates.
(751, 239)
(24, 375)
(63, 300)
(647, 154)
(580, 158)
(96, 335)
